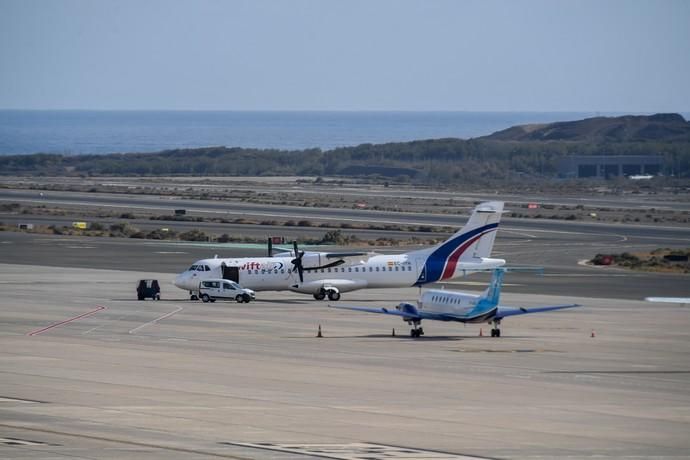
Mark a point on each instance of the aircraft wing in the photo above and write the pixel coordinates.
(350, 257)
(504, 312)
(381, 310)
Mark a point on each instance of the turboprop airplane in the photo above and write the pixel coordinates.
(442, 305)
(324, 274)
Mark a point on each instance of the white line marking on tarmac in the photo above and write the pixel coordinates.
(515, 232)
(108, 322)
(167, 315)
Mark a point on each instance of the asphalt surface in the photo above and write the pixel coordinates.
(87, 372)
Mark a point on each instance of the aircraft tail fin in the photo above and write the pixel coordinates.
(492, 294)
(482, 224)
(471, 244)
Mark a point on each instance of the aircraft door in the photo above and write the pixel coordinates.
(231, 273)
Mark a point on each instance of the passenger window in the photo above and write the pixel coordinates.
(371, 269)
(349, 269)
(390, 269)
(329, 270)
(396, 268)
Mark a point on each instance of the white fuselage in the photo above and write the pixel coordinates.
(448, 302)
(278, 273)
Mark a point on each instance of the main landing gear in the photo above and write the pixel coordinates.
(416, 330)
(193, 296)
(332, 294)
(496, 331)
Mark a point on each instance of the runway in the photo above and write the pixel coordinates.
(176, 379)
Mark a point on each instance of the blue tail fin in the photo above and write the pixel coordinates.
(492, 294)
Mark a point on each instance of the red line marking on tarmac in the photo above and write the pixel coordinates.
(83, 315)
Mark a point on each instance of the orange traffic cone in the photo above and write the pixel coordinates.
(593, 334)
(481, 332)
(319, 333)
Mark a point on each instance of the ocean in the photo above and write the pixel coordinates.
(99, 132)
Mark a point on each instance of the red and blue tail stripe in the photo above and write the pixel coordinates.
(441, 263)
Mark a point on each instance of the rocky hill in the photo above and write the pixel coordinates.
(663, 127)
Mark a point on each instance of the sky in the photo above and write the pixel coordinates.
(456, 55)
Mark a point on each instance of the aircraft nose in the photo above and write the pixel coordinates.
(179, 281)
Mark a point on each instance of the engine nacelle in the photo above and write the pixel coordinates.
(407, 308)
(314, 260)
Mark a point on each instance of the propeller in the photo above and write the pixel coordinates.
(297, 262)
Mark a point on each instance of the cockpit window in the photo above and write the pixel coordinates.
(200, 268)
(207, 268)
(192, 268)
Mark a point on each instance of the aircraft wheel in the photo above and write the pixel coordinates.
(205, 298)
(498, 332)
(193, 297)
(320, 296)
(334, 295)
(420, 331)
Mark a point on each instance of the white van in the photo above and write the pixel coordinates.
(210, 290)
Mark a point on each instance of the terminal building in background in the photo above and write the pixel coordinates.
(607, 166)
